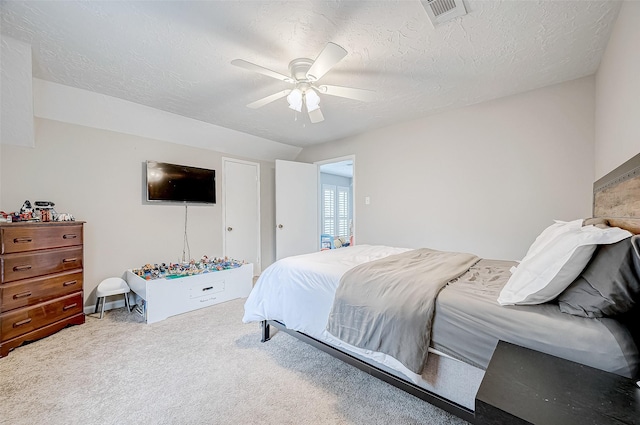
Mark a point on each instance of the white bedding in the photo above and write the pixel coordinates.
(299, 292)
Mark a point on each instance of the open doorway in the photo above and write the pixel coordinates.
(336, 183)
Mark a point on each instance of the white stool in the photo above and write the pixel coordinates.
(111, 286)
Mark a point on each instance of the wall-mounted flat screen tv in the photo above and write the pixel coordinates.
(180, 183)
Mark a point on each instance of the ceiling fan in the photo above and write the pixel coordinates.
(305, 74)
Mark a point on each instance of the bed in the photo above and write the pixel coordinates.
(305, 296)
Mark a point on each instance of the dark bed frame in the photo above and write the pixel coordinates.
(383, 375)
(616, 198)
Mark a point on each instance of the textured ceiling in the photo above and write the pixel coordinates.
(175, 55)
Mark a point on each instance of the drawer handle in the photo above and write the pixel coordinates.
(21, 268)
(22, 240)
(71, 282)
(69, 260)
(68, 307)
(22, 322)
(22, 295)
(207, 288)
(69, 236)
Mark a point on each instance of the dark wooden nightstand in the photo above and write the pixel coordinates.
(523, 386)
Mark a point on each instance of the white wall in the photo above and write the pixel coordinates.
(617, 128)
(484, 179)
(16, 93)
(335, 179)
(97, 175)
(76, 106)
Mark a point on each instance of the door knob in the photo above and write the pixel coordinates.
(280, 226)
(229, 229)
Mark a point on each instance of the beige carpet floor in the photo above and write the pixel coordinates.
(203, 367)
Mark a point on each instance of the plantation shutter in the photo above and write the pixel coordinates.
(328, 209)
(335, 210)
(343, 211)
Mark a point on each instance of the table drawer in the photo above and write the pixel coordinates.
(33, 291)
(32, 264)
(21, 239)
(27, 319)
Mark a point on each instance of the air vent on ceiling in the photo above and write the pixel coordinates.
(440, 11)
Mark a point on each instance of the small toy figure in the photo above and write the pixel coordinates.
(26, 208)
(45, 210)
(65, 217)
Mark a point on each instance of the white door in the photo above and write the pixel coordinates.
(241, 211)
(296, 208)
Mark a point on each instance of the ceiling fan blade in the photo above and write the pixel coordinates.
(261, 70)
(265, 100)
(349, 92)
(316, 116)
(330, 55)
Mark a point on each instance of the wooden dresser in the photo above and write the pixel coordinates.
(41, 280)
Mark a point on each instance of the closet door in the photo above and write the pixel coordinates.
(241, 207)
(297, 230)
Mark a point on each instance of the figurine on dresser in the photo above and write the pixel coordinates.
(46, 211)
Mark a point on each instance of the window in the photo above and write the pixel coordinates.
(335, 210)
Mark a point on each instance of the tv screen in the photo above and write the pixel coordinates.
(180, 183)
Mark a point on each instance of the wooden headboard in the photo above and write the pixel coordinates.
(616, 196)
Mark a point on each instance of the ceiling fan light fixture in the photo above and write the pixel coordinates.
(297, 107)
(295, 100)
(303, 74)
(312, 100)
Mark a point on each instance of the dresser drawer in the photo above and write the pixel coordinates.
(33, 291)
(32, 264)
(30, 238)
(27, 319)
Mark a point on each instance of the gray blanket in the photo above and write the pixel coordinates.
(387, 305)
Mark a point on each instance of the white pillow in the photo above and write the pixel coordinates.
(549, 234)
(549, 271)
